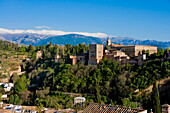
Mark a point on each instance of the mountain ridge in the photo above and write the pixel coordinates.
(50, 32)
(74, 39)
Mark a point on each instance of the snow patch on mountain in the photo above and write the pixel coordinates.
(51, 32)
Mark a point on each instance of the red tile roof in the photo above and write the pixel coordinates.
(102, 108)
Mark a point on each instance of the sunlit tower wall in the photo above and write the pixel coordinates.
(95, 53)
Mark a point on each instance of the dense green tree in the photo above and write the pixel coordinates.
(160, 52)
(31, 48)
(0, 97)
(69, 104)
(5, 45)
(166, 52)
(11, 99)
(127, 103)
(21, 84)
(97, 78)
(156, 100)
(14, 99)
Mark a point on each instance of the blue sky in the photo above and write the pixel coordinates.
(141, 19)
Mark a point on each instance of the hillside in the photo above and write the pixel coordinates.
(11, 56)
(10, 63)
(47, 80)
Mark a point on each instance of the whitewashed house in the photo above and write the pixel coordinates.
(7, 89)
(79, 100)
(8, 86)
(11, 85)
(4, 96)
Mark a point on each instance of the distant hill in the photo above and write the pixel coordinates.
(74, 39)
(129, 41)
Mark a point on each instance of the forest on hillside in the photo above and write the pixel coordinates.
(108, 82)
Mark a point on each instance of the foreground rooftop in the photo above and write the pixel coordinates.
(102, 108)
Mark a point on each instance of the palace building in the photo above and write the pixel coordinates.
(117, 52)
(116, 55)
(134, 50)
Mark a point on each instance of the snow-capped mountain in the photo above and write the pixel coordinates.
(50, 32)
(43, 37)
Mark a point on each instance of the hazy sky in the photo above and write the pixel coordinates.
(141, 19)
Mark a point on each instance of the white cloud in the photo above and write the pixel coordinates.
(52, 32)
(41, 27)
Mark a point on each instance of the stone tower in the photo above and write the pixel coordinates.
(95, 54)
(108, 43)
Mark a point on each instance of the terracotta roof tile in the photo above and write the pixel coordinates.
(102, 108)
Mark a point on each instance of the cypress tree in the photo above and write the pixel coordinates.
(156, 100)
(98, 96)
(97, 87)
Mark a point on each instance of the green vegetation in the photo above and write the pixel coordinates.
(10, 58)
(156, 100)
(0, 97)
(46, 82)
(107, 81)
(152, 69)
(21, 84)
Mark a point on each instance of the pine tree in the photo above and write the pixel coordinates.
(156, 100)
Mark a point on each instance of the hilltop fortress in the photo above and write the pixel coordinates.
(134, 54)
(118, 52)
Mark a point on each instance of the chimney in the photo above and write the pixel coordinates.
(150, 111)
